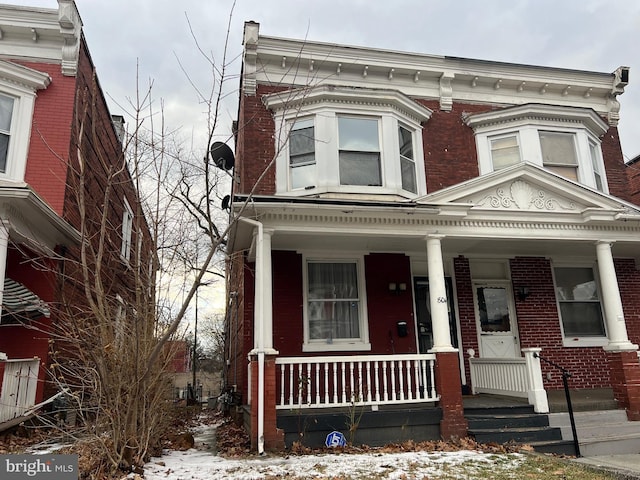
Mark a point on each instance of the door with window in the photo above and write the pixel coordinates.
(423, 314)
(495, 320)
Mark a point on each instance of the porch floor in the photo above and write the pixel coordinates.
(582, 400)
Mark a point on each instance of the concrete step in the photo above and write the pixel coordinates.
(600, 432)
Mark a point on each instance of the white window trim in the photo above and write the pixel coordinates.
(325, 104)
(321, 345)
(527, 121)
(20, 83)
(127, 231)
(580, 341)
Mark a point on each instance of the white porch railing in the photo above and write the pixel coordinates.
(19, 385)
(514, 377)
(337, 381)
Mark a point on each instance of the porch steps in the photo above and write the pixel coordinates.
(516, 424)
(603, 432)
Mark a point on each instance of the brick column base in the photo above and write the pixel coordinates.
(273, 436)
(453, 424)
(624, 372)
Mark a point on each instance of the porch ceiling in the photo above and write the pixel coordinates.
(451, 246)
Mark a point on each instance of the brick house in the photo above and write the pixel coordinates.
(53, 118)
(412, 228)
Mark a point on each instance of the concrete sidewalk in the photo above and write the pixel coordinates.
(626, 466)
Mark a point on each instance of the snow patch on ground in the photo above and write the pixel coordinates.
(200, 465)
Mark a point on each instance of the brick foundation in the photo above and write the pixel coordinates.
(624, 371)
(453, 423)
(273, 437)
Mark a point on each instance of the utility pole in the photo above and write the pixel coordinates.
(195, 354)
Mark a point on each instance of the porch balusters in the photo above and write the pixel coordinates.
(364, 380)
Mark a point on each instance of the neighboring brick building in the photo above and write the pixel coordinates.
(423, 212)
(54, 121)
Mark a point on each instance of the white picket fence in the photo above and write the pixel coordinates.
(19, 385)
(336, 381)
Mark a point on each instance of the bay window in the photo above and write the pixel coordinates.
(334, 305)
(563, 140)
(338, 140)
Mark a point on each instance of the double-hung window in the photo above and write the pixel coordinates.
(505, 151)
(6, 112)
(579, 303)
(595, 165)
(407, 161)
(559, 153)
(359, 151)
(334, 305)
(302, 154)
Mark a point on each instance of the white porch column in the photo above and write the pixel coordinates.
(611, 301)
(263, 314)
(438, 297)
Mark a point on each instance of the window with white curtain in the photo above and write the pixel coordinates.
(334, 306)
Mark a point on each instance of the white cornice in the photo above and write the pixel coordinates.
(348, 95)
(42, 34)
(538, 112)
(274, 61)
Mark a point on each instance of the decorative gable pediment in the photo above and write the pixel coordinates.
(529, 188)
(522, 195)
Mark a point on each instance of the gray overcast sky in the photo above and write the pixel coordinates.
(596, 35)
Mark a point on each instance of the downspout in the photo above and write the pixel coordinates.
(258, 342)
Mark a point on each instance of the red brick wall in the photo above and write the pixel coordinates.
(614, 165)
(287, 303)
(466, 312)
(255, 148)
(633, 175)
(449, 146)
(51, 135)
(385, 309)
(629, 285)
(539, 326)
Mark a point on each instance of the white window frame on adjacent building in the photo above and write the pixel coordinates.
(127, 231)
(529, 124)
(19, 84)
(355, 297)
(324, 107)
(591, 296)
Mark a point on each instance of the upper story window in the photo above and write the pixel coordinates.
(359, 151)
(302, 156)
(127, 231)
(18, 86)
(564, 140)
(344, 140)
(6, 113)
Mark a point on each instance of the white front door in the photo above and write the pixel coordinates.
(495, 320)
